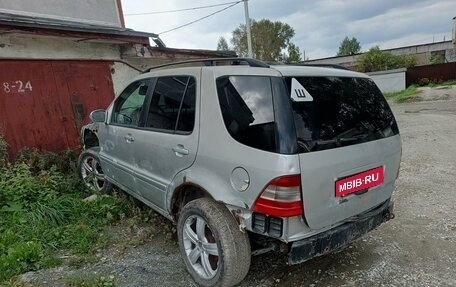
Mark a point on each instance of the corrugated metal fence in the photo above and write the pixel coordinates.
(438, 72)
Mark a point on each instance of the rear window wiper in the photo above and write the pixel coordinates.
(350, 135)
(309, 145)
(339, 141)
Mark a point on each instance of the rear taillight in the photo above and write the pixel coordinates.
(281, 197)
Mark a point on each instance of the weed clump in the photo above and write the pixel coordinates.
(42, 211)
(404, 95)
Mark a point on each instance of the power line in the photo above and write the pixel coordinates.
(202, 18)
(181, 10)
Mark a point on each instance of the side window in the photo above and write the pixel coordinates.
(128, 106)
(247, 110)
(172, 106)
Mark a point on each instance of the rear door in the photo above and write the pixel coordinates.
(168, 141)
(349, 146)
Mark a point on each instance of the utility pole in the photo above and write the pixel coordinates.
(247, 25)
(453, 36)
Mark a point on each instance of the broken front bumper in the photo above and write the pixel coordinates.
(339, 236)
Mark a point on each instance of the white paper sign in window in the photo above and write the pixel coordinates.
(299, 93)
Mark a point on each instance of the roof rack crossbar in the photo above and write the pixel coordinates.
(212, 62)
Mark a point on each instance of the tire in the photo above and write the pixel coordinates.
(91, 173)
(221, 237)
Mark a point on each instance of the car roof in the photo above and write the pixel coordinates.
(218, 71)
(254, 66)
(315, 71)
(284, 70)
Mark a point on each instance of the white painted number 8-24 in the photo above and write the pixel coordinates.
(17, 86)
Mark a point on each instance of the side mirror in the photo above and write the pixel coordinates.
(98, 116)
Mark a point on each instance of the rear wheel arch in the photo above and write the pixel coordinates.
(185, 193)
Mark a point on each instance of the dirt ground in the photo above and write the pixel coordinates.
(417, 248)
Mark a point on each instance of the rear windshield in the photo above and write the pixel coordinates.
(339, 111)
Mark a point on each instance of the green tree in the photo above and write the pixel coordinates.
(349, 47)
(269, 39)
(407, 61)
(294, 54)
(378, 60)
(222, 44)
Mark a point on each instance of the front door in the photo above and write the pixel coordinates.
(168, 142)
(118, 137)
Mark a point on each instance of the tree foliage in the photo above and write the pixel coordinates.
(349, 47)
(222, 44)
(294, 54)
(378, 60)
(269, 40)
(437, 58)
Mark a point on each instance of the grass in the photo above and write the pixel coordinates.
(444, 84)
(16, 283)
(437, 83)
(412, 91)
(449, 83)
(42, 212)
(403, 95)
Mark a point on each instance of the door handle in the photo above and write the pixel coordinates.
(129, 139)
(180, 150)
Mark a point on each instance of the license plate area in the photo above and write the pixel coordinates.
(359, 182)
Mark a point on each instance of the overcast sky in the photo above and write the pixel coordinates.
(319, 25)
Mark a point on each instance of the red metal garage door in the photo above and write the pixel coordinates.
(43, 104)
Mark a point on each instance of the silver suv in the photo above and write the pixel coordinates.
(249, 158)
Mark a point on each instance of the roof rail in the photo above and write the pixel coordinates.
(334, 66)
(212, 62)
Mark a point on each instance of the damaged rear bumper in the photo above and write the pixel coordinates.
(339, 236)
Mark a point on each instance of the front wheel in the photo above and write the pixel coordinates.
(90, 171)
(215, 251)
